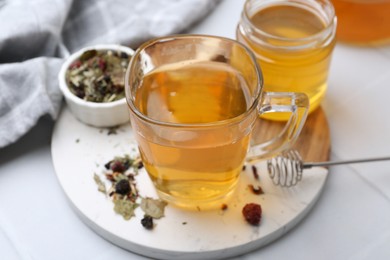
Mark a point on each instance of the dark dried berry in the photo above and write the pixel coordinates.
(117, 166)
(252, 213)
(147, 222)
(79, 92)
(122, 187)
(107, 78)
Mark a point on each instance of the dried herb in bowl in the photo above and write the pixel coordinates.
(98, 75)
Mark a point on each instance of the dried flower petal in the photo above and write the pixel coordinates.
(125, 208)
(119, 176)
(153, 207)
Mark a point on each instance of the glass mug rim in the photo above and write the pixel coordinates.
(256, 96)
(306, 41)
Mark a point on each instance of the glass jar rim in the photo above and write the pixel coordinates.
(331, 22)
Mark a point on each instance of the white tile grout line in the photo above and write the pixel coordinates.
(5, 228)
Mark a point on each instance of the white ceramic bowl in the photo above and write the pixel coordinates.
(93, 113)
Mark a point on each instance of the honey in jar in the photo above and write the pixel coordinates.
(363, 21)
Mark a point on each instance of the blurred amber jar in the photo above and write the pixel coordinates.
(363, 21)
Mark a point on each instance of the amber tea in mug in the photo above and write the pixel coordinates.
(293, 41)
(193, 101)
(194, 93)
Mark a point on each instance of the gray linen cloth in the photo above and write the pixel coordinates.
(36, 36)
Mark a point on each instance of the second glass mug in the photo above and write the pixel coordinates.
(193, 102)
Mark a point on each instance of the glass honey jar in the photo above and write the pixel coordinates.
(293, 41)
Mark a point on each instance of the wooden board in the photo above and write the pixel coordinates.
(313, 143)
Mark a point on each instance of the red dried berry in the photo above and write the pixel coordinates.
(75, 64)
(117, 166)
(252, 213)
(102, 64)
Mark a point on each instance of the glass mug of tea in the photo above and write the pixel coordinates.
(293, 41)
(193, 102)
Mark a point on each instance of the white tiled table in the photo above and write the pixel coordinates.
(351, 220)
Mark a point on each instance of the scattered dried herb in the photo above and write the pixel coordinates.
(98, 75)
(258, 190)
(119, 176)
(224, 206)
(120, 172)
(252, 213)
(255, 173)
(99, 182)
(125, 207)
(110, 177)
(138, 163)
(112, 130)
(153, 207)
(147, 222)
(124, 194)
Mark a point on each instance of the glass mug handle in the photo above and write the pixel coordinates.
(275, 102)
